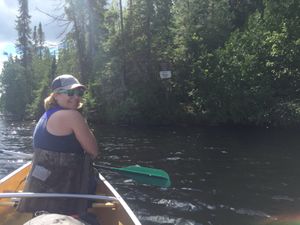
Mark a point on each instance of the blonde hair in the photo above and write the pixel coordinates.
(50, 102)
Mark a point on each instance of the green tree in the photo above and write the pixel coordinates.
(35, 40)
(242, 9)
(87, 33)
(24, 47)
(48, 70)
(201, 27)
(67, 57)
(13, 88)
(255, 76)
(41, 40)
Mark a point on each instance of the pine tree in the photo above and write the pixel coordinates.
(41, 40)
(35, 40)
(24, 45)
(24, 48)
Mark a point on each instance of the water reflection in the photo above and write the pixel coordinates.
(219, 176)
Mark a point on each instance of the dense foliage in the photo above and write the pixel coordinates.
(232, 62)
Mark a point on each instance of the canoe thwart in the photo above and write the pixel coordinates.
(55, 195)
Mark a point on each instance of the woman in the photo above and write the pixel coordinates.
(62, 143)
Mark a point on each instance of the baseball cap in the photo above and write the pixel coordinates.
(65, 82)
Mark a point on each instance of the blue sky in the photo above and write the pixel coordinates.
(8, 16)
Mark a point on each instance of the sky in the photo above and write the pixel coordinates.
(8, 16)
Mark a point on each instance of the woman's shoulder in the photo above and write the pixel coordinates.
(66, 118)
(69, 113)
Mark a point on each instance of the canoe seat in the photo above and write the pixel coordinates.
(13, 204)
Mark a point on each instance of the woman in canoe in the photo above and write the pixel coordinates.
(63, 144)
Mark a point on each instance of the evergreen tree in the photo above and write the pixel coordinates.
(35, 40)
(40, 40)
(48, 67)
(231, 61)
(67, 60)
(24, 45)
(242, 9)
(13, 85)
(24, 48)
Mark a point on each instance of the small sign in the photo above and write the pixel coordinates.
(165, 74)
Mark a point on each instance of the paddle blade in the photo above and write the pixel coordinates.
(143, 175)
(146, 175)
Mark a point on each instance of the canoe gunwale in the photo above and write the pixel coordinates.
(14, 173)
(121, 200)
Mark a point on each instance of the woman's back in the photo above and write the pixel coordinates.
(51, 133)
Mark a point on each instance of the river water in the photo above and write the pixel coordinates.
(220, 176)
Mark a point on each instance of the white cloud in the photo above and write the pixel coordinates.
(8, 16)
(40, 11)
(11, 4)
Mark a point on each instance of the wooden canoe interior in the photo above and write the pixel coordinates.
(108, 213)
(13, 183)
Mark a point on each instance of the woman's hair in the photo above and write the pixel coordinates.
(50, 102)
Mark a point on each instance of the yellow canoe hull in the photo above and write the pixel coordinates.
(107, 212)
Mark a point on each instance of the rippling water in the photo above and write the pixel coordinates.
(219, 176)
(15, 139)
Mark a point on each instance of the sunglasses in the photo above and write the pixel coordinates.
(78, 92)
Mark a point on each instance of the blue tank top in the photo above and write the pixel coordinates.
(45, 140)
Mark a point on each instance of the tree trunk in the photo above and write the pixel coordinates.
(123, 78)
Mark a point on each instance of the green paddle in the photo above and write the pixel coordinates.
(143, 175)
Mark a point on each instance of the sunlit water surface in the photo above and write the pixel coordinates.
(220, 176)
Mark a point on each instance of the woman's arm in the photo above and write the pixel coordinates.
(82, 132)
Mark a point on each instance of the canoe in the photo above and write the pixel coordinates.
(109, 207)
